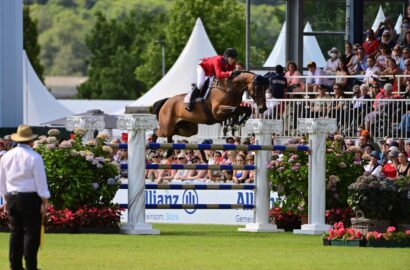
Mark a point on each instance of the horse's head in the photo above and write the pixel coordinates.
(256, 87)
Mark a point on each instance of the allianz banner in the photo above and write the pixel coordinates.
(194, 216)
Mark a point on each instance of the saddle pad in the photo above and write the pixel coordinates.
(188, 96)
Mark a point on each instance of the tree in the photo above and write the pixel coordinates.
(30, 42)
(224, 22)
(116, 48)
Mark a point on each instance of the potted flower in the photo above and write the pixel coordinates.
(341, 236)
(375, 198)
(391, 238)
(284, 219)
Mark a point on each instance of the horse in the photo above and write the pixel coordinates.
(222, 103)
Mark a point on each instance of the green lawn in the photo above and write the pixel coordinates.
(205, 247)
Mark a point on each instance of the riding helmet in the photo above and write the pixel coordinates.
(231, 52)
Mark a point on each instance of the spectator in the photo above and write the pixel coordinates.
(404, 27)
(387, 39)
(152, 174)
(381, 59)
(397, 56)
(392, 68)
(277, 83)
(166, 174)
(341, 72)
(333, 62)
(406, 71)
(230, 140)
(319, 107)
(403, 167)
(408, 148)
(389, 169)
(240, 176)
(181, 174)
(373, 168)
(250, 160)
(360, 104)
(405, 123)
(348, 52)
(196, 174)
(358, 63)
(293, 84)
(407, 94)
(405, 43)
(336, 108)
(371, 70)
(315, 71)
(217, 159)
(371, 44)
(239, 66)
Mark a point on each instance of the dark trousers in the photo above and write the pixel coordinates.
(25, 223)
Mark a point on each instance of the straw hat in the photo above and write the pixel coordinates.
(24, 134)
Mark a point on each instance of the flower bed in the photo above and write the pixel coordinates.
(341, 236)
(85, 219)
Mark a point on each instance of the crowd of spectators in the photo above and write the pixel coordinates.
(383, 55)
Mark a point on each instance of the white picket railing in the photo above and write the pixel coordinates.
(381, 117)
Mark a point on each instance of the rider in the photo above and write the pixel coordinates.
(220, 66)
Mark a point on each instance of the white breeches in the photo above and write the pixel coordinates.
(200, 77)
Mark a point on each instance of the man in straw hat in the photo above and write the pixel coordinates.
(23, 185)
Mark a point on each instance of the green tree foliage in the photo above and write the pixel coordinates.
(30, 42)
(116, 47)
(223, 21)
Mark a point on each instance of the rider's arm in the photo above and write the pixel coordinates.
(218, 70)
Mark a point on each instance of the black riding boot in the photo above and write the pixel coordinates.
(194, 95)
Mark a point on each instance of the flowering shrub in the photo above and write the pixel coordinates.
(289, 176)
(4, 220)
(336, 215)
(107, 217)
(402, 208)
(98, 217)
(287, 220)
(339, 232)
(59, 219)
(78, 174)
(376, 198)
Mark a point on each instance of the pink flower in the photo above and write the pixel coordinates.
(408, 232)
(391, 229)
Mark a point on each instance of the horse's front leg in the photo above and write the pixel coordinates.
(224, 112)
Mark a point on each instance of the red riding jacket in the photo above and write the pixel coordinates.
(216, 66)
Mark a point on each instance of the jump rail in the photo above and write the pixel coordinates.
(195, 167)
(197, 186)
(251, 147)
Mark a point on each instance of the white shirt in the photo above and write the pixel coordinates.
(317, 80)
(370, 71)
(331, 66)
(22, 170)
(376, 172)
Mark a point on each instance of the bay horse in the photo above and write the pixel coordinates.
(222, 103)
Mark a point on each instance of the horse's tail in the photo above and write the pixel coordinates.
(157, 106)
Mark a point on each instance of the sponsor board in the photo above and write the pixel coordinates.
(195, 216)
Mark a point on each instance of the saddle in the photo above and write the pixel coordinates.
(204, 92)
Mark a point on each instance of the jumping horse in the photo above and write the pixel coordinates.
(222, 103)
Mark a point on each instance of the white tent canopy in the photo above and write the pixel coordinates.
(379, 18)
(39, 105)
(311, 49)
(398, 24)
(179, 78)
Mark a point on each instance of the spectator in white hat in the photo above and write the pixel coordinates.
(333, 62)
